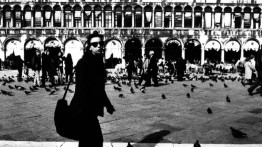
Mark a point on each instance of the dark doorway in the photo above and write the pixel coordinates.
(249, 52)
(133, 49)
(155, 45)
(193, 51)
(232, 56)
(173, 50)
(213, 55)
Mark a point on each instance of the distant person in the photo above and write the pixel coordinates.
(258, 80)
(68, 67)
(180, 67)
(44, 68)
(152, 69)
(19, 65)
(249, 69)
(90, 96)
(36, 66)
(130, 70)
(0, 64)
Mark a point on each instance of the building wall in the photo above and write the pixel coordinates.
(227, 34)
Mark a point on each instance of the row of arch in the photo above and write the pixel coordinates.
(116, 51)
(75, 14)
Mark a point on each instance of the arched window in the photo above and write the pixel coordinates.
(238, 17)
(17, 17)
(188, 17)
(27, 16)
(128, 16)
(247, 17)
(256, 18)
(218, 12)
(38, 16)
(7, 16)
(108, 16)
(57, 16)
(208, 17)
(198, 17)
(168, 17)
(87, 16)
(98, 16)
(148, 16)
(228, 17)
(68, 16)
(47, 16)
(138, 16)
(77, 16)
(178, 16)
(118, 16)
(158, 16)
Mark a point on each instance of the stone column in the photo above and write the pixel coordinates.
(153, 19)
(223, 54)
(193, 19)
(123, 17)
(82, 18)
(143, 17)
(133, 17)
(62, 18)
(183, 53)
(103, 17)
(172, 19)
(202, 54)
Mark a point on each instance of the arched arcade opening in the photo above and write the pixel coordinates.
(133, 49)
(251, 47)
(232, 51)
(213, 51)
(173, 49)
(193, 51)
(30, 48)
(113, 53)
(155, 45)
(75, 48)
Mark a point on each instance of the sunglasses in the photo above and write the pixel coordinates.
(95, 44)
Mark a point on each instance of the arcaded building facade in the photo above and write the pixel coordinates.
(220, 30)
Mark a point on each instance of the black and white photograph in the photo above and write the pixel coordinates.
(130, 73)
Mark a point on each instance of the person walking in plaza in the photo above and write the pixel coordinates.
(258, 67)
(152, 69)
(180, 67)
(51, 70)
(144, 72)
(36, 66)
(44, 67)
(19, 65)
(68, 67)
(130, 67)
(249, 69)
(90, 96)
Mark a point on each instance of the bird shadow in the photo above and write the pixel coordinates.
(155, 137)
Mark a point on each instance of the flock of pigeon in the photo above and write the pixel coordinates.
(119, 81)
(9, 81)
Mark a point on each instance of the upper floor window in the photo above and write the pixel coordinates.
(87, 16)
(158, 16)
(227, 17)
(27, 16)
(218, 12)
(57, 16)
(138, 16)
(188, 17)
(168, 17)
(67, 16)
(247, 17)
(148, 16)
(178, 16)
(118, 16)
(128, 16)
(256, 17)
(17, 18)
(98, 16)
(77, 16)
(38, 16)
(198, 17)
(208, 17)
(47, 16)
(238, 17)
(108, 16)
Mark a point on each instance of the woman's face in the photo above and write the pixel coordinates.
(96, 45)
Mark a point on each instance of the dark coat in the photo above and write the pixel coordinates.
(36, 63)
(90, 96)
(152, 66)
(68, 65)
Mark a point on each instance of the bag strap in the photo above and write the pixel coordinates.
(67, 87)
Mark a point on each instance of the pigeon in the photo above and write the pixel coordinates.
(143, 90)
(228, 99)
(65, 88)
(27, 92)
(211, 85)
(185, 85)
(163, 96)
(192, 89)
(118, 84)
(52, 92)
(121, 95)
(20, 87)
(172, 81)
(11, 87)
(4, 83)
(4, 92)
(196, 144)
(243, 83)
(132, 90)
(237, 134)
(32, 89)
(48, 89)
(117, 88)
(188, 95)
(35, 88)
(193, 86)
(209, 111)
(57, 89)
(225, 85)
(129, 144)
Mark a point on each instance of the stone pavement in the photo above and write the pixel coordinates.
(143, 118)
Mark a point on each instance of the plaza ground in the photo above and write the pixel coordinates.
(142, 118)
